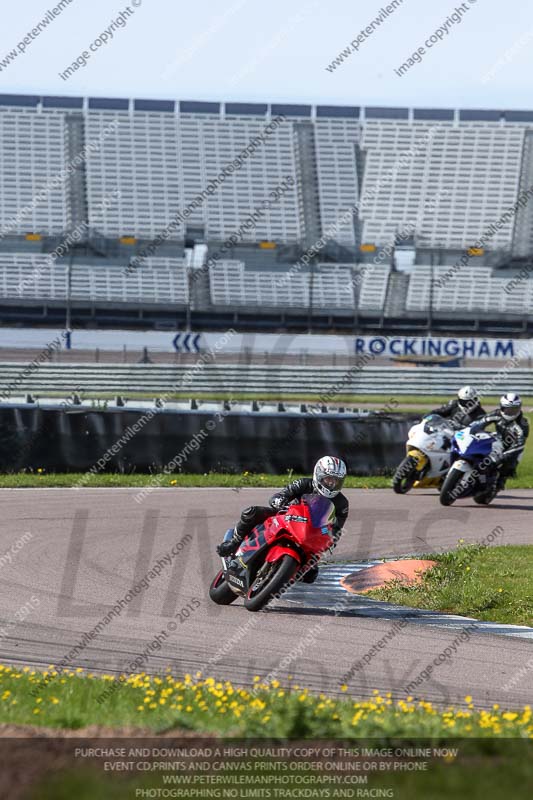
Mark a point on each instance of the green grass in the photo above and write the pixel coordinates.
(494, 744)
(74, 700)
(34, 479)
(488, 583)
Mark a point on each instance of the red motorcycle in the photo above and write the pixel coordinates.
(275, 553)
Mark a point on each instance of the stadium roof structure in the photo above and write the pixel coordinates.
(358, 112)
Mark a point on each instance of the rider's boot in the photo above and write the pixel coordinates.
(229, 546)
(310, 575)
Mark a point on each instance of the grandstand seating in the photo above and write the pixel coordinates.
(450, 173)
(32, 154)
(373, 287)
(163, 281)
(160, 163)
(450, 183)
(337, 173)
(137, 156)
(234, 285)
(470, 289)
(444, 176)
(207, 144)
(158, 280)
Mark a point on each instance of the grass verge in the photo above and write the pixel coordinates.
(32, 480)
(488, 583)
(21, 480)
(71, 699)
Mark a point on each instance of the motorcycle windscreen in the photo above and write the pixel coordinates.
(435, 423)
(322, 510)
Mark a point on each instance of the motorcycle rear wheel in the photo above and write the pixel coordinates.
(282, 571)
(448, 496)
(405, 476)
(220, 592)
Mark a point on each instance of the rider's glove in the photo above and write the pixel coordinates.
(277, 501)
(336, 533)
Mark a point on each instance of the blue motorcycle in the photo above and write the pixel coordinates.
(473, 471)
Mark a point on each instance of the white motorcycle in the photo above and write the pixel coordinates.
(428, 455)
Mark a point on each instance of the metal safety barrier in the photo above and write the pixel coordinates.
(264, 380)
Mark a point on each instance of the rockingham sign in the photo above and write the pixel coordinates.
(259, 344)
(386, 346)
(437, 346)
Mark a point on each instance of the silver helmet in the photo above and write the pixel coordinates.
(328, 476)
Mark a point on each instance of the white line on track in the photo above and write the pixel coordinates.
(327, 591)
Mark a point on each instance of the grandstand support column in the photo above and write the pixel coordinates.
(188, 315)
(360, 161)
(523, 225)
(308, 197)
(199, 297)
(307, 179)
(77, 177)
(431, 289)
(310, 310)
(68, 313)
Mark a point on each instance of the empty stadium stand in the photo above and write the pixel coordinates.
(449, 172)
(469, 289)
(441, 177)
(451, 183)
(159, 281)
(373, 288)
(330, 287)
(32, 154)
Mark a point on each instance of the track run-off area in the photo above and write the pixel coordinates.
(69, 557)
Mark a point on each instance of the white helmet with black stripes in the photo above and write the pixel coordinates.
(328, 476)
(510, 406)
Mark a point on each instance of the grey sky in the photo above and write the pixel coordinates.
(277, 50)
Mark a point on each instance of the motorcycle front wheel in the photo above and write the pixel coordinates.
(448, 493)
(220, 592)
(405, 475)
(276, 576)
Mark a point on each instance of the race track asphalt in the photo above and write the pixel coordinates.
(67, 556)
